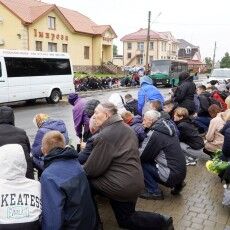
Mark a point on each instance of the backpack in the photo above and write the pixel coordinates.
(213, 101)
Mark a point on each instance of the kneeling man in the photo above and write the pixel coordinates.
(161, 157)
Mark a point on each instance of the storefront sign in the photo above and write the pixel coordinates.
(51, 36)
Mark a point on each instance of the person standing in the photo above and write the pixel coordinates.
(185, 92)
(66, 196)
(9, 134)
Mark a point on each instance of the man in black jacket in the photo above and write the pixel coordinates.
(184, 94)
(131, 104)
(203, 118)
(161, 156)
(9, 134)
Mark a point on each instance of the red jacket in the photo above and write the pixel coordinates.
(216, 95)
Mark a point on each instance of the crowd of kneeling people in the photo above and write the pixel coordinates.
(127, 148)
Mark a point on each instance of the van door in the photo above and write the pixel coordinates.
(4, 92)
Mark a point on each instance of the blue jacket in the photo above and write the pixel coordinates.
(66, 196)
(138, 128)
(148, 92)
(47, 126)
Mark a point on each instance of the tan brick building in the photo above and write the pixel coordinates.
(162, 45)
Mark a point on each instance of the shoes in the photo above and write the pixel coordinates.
(178, 188)
(152, 196)
(190, 161)
(168, 223)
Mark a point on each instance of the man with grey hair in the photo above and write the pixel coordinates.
(114, 170)
(161, 156)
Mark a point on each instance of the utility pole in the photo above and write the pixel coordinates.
(148, 39)
(214, 55)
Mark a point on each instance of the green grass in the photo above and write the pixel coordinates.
(99, 75)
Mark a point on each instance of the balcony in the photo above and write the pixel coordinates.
(139, 52)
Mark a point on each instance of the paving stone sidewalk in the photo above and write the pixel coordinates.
(198, 207)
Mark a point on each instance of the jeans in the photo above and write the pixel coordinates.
(202, 123)
(152, 178)
(127, 217)
(188, 151)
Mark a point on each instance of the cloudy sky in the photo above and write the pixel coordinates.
(200, 22)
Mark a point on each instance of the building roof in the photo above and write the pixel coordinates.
(31, 10)
(141, 35)
(183, 44)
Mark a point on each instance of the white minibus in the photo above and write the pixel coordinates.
(31, 75)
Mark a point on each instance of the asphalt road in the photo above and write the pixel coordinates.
(24, 113)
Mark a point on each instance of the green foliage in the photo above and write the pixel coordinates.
(225, 61)
(115, 50)
(208, 62)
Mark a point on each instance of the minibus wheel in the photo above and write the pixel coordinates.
(54, 97)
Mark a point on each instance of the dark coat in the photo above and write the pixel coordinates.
(136, 125)
(226, 146)
(9, 134)
(83, 155)
(114, 166)
(204, 99)
(184, 95)
(189, 134)
(132, 106)
(66, 196)
(163, 148)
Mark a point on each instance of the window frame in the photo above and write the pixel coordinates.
(52, 44)
(129, 55)
(151, 46)
(129, 47)
(31, 67)
(40, 44)
(86, 52)
(51, 23)
(65, 50)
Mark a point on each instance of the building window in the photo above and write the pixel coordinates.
(86, 52)
(129, 55)
(51, 23)
(129, 45)
(64, 48)
(150, 58)
(140, 46)
(151, 45)
(140, 60)
(38, 45)
(52, 47)
(188, 50)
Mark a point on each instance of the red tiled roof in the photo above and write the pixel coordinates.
(141, 35)
(30, 10)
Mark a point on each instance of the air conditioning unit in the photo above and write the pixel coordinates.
(2, 42)
(1, 19)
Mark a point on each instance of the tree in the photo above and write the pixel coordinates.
(114, 50)
(208, 62)
(225, 61)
